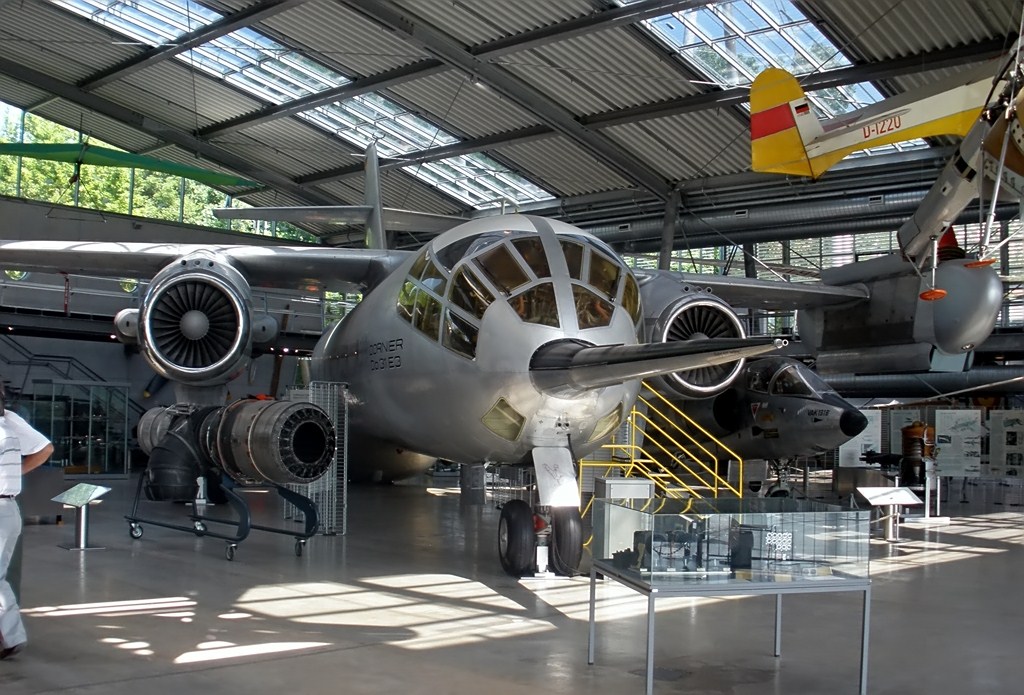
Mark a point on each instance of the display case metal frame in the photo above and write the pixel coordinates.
(730, 587)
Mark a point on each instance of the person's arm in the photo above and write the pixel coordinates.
(30, 462)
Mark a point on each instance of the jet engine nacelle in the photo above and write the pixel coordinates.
(678, 310)
(126, 326)
(253, 442)
(897, 331)
(195, 324)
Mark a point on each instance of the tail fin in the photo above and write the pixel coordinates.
(375, 235)
(781, 125)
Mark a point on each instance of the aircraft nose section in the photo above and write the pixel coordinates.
(852, 422)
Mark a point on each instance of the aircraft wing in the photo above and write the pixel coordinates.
(766, 294)
(266, 266)
(394, 219)
(573, 365)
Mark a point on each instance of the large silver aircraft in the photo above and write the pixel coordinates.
(511, 339)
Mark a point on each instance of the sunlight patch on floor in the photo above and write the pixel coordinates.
(426, 611)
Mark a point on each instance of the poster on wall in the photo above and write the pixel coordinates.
(898, 420)
(868, 440)
(958, 443)
(1006, 444)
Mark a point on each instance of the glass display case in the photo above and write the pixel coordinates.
(665, 542)
(88, 423)
(664, 547)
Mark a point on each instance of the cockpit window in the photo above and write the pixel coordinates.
(503, 269)
(591, 310)
(788, 383)
(604, 274)
(427, 315)
(573, 258)
(537, 305)
(453, 253)
(532, 251)
(459, 335)
(758, 377)
(631, 298)
(407, 300)
(418, 265)
(469, 293)
(434, 279)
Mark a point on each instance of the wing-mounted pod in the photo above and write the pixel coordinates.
(676, 310)
(897, 331)
(253, 442)
(126, 326)
(195, 324)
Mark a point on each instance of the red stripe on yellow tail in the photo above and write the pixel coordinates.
(776, 143)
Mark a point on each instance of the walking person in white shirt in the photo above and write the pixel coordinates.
(22, 449)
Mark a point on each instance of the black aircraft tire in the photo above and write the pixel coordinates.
(566, 540)
(517, 540)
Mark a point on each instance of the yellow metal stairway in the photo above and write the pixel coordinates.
(662, 444)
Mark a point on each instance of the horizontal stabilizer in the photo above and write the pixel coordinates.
(572, 366)
(394, 219)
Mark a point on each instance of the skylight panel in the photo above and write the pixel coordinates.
(149, 21)
(744, 17)
(732, 42)
(785, 53)
(261, 66)
(779, 11)
(708, 24)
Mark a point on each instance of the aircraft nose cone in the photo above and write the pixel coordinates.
(852, 422)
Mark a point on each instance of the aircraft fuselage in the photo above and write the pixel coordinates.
(437, 357)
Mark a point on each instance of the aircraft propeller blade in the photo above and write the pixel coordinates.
(572, 366)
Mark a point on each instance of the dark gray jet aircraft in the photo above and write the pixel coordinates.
(777, 409)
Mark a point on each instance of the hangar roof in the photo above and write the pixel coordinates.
(575, 107)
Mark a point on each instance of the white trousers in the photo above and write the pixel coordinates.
(12, 630)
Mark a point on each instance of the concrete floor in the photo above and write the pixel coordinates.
(413, 600)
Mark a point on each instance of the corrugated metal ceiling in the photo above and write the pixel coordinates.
(600, 72)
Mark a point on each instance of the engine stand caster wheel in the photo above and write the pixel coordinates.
(135, 531)
(229, 553)
(200, 528)
(299, 543)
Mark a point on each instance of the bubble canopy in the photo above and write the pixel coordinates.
(454, 280)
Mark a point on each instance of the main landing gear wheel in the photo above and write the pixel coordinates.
(566, 540)
(517, 540)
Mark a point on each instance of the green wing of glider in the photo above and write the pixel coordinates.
(104, 156)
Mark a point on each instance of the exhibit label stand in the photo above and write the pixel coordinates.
(890, 499)
(80, 497)
(932, 483)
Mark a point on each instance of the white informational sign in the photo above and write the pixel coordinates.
(1006, 444)
(898, 420)
(868, 440)
(958, 443)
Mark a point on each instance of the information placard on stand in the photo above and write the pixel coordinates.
(890, 499)
(80, 497)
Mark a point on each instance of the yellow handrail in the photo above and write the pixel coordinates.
(634, 459)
